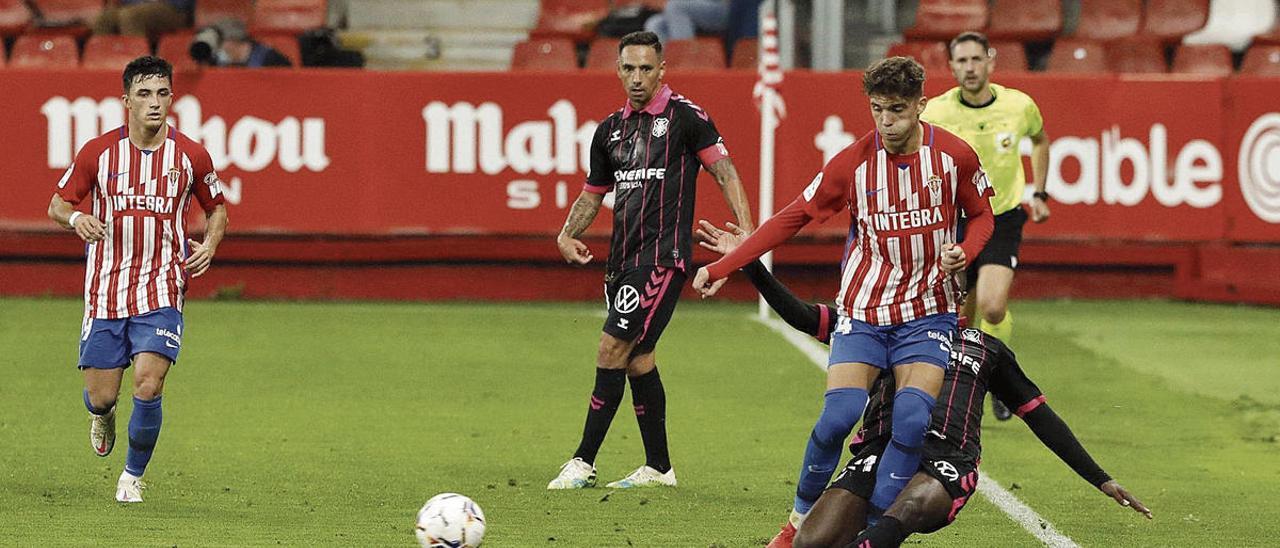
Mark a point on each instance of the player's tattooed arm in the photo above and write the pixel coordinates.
(581, 214)
(735, 195)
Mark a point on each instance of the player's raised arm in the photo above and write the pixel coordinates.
(809, 318)
(1011, 385)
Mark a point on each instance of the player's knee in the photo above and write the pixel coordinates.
(614, 353)
(993, 310)
(148, 388)
(840, 412)
(912, 408)
(909, 510)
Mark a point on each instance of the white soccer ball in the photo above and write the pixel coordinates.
(450, 520)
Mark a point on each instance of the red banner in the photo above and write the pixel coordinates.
(370, 153)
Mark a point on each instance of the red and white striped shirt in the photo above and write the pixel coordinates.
(903, 209)
(142, 197)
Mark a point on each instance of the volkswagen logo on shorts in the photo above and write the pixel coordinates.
(1259, 165)
(627, 299)
(946, 469)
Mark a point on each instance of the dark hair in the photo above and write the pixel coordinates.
(641, 38)
(147, 65)
(970, 36)
(895, 77)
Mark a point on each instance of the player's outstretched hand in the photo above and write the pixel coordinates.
(573, 250)
(719, 241)
(200, 259)
(953, 259)
(1124, 498)
(89, 228)
(702, 282)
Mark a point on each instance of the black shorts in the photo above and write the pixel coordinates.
(1002, 248)
(957, 473)
(640, 302)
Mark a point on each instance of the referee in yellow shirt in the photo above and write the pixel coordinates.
(993, 119)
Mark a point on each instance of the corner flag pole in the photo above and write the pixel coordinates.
(772, 110)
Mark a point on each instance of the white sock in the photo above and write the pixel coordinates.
(126, 476)
(796, 518)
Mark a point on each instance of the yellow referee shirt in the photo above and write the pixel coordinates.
(994, 132)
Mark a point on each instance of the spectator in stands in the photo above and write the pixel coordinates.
(146, 18)
(683, 19)
(227, 44)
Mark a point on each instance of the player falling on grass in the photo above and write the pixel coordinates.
(903, 185)
(952, 450)
(994, 119)
(648, 153)
(141, 179)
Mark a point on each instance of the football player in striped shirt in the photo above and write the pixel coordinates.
(141, 180)
(903, 185)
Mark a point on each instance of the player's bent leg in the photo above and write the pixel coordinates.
(918, 384)
(842, 407)
(923, 506)
(102, 387)
(994, 282)
(611, 381)
(834, 520)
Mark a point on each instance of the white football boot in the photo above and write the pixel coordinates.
(645, 476)
(102, 432)
(129, 488)
(575, 474)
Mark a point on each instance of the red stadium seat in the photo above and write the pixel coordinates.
(55, 51)
(1207, 59)
(287, 16)
(1170, 20)
(1261, 61)
(14, 17)
(176, 49)
(71, 17)
(545, 54)
(1108, 19)
(603, 54)
(1136, 55)
(746, 54)
(209, 12)
(1010, 56)
(573, 19)
(1078, 56)
(699, 53)
(932, 55)
(1025, 20)
(108, 52)
(286, 44)
(943, 19)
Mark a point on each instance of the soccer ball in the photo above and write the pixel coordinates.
(450, 520)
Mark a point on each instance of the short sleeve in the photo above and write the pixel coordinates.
(1034, 123)
(79, 179)
(599, 180)
(828, 193)
(702, 136)
(205, 183)
(972, 176)
(1010, 384)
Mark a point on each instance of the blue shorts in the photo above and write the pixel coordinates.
(926, 339)
(108, 344)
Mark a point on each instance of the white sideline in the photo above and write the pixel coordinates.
(1017, 511)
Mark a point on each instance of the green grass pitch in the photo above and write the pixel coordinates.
(330, 424)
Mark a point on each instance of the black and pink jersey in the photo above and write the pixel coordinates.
(650, 158)
(979, 364)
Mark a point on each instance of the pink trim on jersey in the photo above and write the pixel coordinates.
(1029, 406)
(824, 323)
(712, 154)
(595, 189)
(657, 103)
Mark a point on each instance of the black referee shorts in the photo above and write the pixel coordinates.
(1002, 248)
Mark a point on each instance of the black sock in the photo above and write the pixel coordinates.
(610, 384)
(651, 413)
(886, 533)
